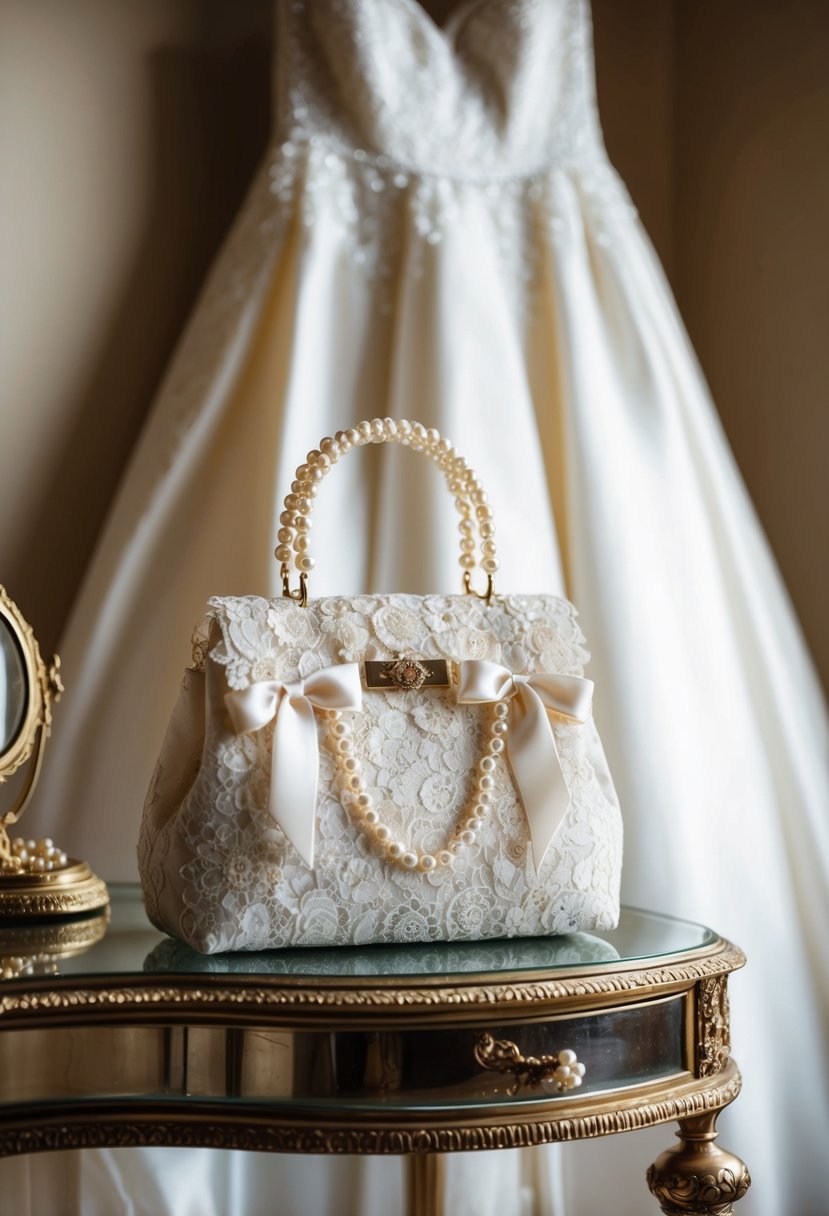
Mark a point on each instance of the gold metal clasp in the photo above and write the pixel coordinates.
(481, 595)
(407, 673)
(301, 592)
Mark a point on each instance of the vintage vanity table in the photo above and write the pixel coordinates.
(419, 1050)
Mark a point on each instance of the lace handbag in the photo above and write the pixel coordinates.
(382, 768)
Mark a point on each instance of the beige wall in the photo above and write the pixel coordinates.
(751, 260)
(129, 128)
(128, 132)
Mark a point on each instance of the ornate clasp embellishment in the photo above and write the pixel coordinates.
(559, 1072)
(407, 673)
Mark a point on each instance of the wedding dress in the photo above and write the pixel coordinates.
(436, 233)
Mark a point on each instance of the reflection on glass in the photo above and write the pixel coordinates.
(12, 687)
(435, 959)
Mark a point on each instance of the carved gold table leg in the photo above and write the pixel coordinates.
(697, 1178)
(424, 1184)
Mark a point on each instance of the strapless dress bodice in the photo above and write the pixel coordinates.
(500, 90)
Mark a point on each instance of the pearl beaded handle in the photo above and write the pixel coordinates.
(476, 527)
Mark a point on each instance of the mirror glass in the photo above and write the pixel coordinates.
(12, 687)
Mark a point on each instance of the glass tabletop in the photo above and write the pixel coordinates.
(131, 945)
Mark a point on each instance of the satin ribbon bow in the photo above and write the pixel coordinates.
(295, 758)
(531, 745)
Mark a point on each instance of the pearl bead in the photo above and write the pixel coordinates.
(485, 783)
(454, 846)
(468, 837)
(382, 832)
(285, 535)
(427, 862)
(286, 519)
(466, 527)
(306, 563)
(283, 553)
(467, 544)
(344, 746)
(409, 861)
(371, 816)
(445, 858)
(39, 864)
(500, 727)
(62, 859)
(340, 728)
(364, 801)
(390, 427)
(467, 560)
(23, 854)
(303, 505)
(490, 564)
(317, 474)
(313, 456)
(330, 448)
(357, 783)
(488, 548)
(350, 764)
(396, 849)
(303, 472)
(486, 529)
(302, 544)
(567, 1057)
(480, 811)
(404, 427)
(353, 436)
(471, 824)
(487, 764)
(501, 709)
(303, 523)
(483, 512)
(496, 746)
(363, 430)
(297, 487)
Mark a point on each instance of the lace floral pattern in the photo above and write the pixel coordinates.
(238, 884)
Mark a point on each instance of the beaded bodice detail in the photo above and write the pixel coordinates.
(394, 138)
(503, 89)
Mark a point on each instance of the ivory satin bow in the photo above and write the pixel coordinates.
(295, 759)
(531, 745)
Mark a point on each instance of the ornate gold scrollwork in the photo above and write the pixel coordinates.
(698, 1178)
(713, 1032)
(560, 1072)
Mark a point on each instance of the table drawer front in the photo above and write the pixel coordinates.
(620, 1047)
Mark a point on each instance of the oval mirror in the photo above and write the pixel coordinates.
(14, 693)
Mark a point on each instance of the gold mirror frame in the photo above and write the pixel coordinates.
(43, 687)
(61, 886)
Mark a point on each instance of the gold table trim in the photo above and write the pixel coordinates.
(212, 1125)
(409, 999)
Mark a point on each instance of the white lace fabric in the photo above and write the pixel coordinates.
(219, 873)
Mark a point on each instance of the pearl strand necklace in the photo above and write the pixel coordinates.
(362, 809)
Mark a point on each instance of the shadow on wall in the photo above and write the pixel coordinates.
(208, 126)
